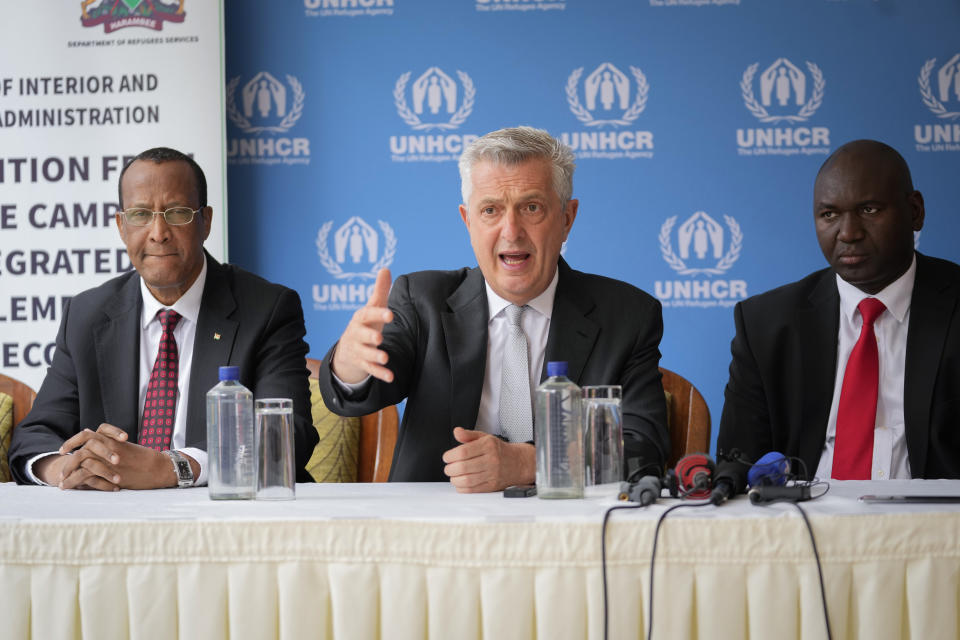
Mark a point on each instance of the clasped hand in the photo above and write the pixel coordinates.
(105, 461)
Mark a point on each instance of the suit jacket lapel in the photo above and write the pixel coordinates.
(212, 347)
(818, 326)
(465, 332)
(117, 345)
(931, 309)
(572, 333)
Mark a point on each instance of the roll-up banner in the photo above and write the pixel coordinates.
(84, 86)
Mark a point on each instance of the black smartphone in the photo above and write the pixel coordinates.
(520, 491)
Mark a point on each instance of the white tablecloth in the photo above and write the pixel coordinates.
(421, 561)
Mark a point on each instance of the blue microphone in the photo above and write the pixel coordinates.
(771, 469)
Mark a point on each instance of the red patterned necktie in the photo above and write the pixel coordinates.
(857, 410)
(156, 427)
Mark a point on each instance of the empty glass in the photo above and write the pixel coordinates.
(275, 471)
(602, 434)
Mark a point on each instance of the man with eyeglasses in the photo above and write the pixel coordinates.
(123, 404)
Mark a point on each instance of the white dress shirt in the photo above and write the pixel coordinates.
(890, 460)
(536, 326)
(188, 306)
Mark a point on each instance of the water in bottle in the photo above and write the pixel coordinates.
(231, 455)
(559, 437)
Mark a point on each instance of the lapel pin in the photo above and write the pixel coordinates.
(216, 336)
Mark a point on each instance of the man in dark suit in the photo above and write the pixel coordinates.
(88, 427)
(442, 338)
(805, 378)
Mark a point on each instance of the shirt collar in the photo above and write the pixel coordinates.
(895, 296)
(188, 305)
(543, 303)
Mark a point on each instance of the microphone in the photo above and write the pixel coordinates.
(769, 493)
(731, 479)
(771, 469)
(646, 490)
(695, 475)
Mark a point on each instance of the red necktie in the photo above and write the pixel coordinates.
(857, 410)
(156, 427)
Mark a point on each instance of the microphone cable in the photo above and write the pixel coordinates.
(694, 477)
(649, 490)
(816, 556)
(793, 494)
(653, 555)
(603, 558)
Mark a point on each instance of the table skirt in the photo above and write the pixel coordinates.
(890, 576)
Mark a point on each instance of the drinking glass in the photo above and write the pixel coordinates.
(275, 472)
(603, 434)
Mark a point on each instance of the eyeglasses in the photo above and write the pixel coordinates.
(174, 216)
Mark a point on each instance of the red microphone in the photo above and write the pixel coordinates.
(695, 475)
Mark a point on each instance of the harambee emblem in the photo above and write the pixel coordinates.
(117, 14)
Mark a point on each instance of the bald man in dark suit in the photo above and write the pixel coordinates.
(793, 345)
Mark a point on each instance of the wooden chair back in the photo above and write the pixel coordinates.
(23, 396)
(689, 417)
(378, 437)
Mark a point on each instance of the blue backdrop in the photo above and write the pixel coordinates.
(699, 126)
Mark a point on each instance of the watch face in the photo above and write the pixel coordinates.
(182, 466)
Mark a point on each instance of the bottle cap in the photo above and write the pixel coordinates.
(556, 369)
(229, 373)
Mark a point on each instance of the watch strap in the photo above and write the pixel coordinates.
(181, 466)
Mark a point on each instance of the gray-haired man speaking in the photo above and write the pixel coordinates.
(467, 347)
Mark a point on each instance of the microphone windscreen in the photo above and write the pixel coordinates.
(732, 472)
(695, 474)
(648, 489)
(770, 470)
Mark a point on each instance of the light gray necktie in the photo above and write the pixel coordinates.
(516, 414)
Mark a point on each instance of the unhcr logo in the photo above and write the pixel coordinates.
(359, 252)
(704, 248)
(608, 101)
(787, 95)
(347, 8)
(433, 101)
(941, 95)
(266, 106)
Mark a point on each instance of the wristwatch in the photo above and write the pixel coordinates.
(182, 468)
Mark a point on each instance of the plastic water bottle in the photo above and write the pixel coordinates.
(231, 439)
(559, 438)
